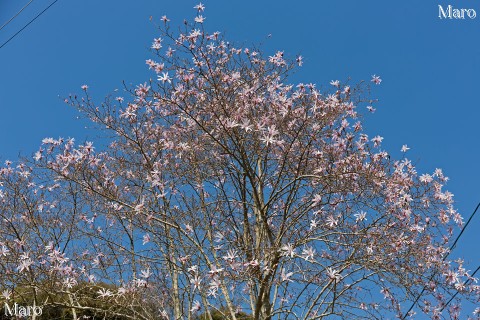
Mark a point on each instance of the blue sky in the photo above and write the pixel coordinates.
(430, 69)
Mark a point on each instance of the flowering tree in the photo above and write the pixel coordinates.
(224, 190)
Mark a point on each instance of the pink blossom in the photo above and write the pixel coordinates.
(376, 79)
(286, 276)
(288, 250)
(333, 274)
(377, 140)
(335, 83)
(195, 306)
(146, 239)
(157, 44)
(214, 270)
(4, 251)
(104, 293)
(165, 78)
(200, 7)
(299, 61)
(308, 253)
(7, 294)
(199, 19)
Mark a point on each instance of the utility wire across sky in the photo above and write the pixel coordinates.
(25, 26)
(444, 258)
(16, 15)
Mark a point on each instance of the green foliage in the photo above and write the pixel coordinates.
(58, 306)
(222, 314)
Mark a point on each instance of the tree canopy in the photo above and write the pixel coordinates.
(220, 190)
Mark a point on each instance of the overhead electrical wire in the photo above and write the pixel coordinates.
(465, 283)
(445, 257)
(16, 15)
(25, 26)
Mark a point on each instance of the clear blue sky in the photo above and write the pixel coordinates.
(430, 69)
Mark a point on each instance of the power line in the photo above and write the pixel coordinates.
(16, 15)
(465, 283)
(463, 229)
(25, 26)
(445, 257)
